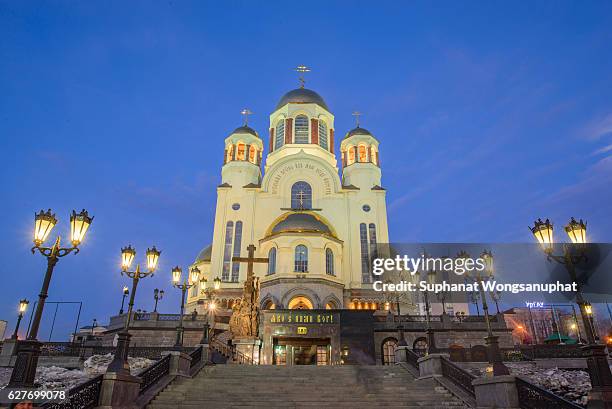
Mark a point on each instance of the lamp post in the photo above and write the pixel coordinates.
(126, 292)
(23, 306)
(209, 296)
(494, 354)
(186, 285)
(600, 395)
(120, 363)
(496, 296)
(28, 351)
(430, 276)
(93, 326)
(157, 295)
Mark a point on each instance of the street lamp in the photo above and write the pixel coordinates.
(186, 285)
(23, 306)
(597, 362)
(126, 292)
(157, 295)
(210, 305)
(431, 341)
(120, 363)
(495, 357)
(28, 351)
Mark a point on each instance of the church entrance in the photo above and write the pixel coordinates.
(301, 351)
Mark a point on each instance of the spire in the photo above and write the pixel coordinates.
(302, 69)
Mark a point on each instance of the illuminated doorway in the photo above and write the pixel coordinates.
(300, 303)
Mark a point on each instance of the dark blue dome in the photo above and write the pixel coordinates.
(302, 96)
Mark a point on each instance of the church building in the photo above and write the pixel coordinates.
(317, 225)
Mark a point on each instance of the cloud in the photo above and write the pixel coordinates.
(605, 149)
(598, 128)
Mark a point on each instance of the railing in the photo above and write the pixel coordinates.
(60, 349)
(412, 358)
(154, 373)
(139, 352)
(533, 397)
(551, 351)
(196, 357)
(83, 396)
(231, 353)
(458, 376)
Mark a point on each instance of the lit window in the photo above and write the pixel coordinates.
(252, 153)
(374, 154)
(240, 152)
(301, 129)
(329, 262)
(363, 153)
(230, 152)
(351, 155)
(280, 134)
(272, 261)
(373, 246)
(301, 259)
(301, 196)
(323, 135)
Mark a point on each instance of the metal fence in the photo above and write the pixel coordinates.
(533, 397)
(83, 396)
(154, 373)
(458, 376)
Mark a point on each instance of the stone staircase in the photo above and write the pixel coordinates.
(276, 387)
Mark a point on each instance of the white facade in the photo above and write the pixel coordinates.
(337, 217)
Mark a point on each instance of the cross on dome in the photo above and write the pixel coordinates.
(357, 114)
(246, 112)
(302, 69)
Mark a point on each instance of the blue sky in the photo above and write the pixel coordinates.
(490, 114)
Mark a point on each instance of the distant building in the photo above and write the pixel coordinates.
(88, 333)
(3, 325)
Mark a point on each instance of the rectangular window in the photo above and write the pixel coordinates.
(301, 130)
(322, 357)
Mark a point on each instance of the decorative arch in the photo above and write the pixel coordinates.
(269, 301)
(333, 301)
(300, 302)
(301, 195)
(301, 291)
(387, 350)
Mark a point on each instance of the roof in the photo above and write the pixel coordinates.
(301, 223)
(358, 131)
(302, 96)
(245, 129)
(204, 254)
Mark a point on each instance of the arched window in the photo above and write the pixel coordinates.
(301, 259)
(301, 196)
(301, 129)
(240, 153)
(323, 135)
(366, 277)
(227, 251)
(374, 155)
(230, 152)
(252, 153)
(388, 351)
(351, 155)
(363, 153)
(272, 261)
(237, 244)
(329, 262)
(280, 134)
(373, 246)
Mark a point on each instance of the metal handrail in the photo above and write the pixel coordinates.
(458, 376)
(231, 353)
(154, 373)
(83, 396)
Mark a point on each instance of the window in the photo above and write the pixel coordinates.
(227, 251)
(280, 134)
(363, 153)
(388, 351)
(366, 208)
(366, 277)
(240, 153)
(301, 259)
(322, 355)
(301, 129)
(323, 135)
(329, 262)
(301, 196)
(272, 261)
(374, 154)
(237, 244)
(230, 152)
(373, 246)
(252, 154)
(351, 155)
